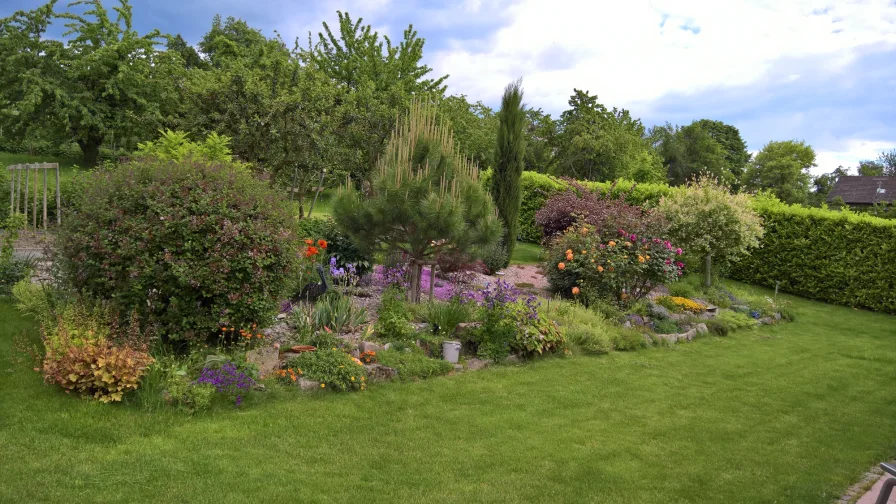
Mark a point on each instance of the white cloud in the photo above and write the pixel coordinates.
(848, 152)
(635, 52)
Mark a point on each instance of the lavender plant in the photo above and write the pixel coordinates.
(227, 380)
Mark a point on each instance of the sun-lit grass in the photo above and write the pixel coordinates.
(526, 253)
(791, 414)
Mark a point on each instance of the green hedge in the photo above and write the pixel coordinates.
(538, 187)
(841, 258)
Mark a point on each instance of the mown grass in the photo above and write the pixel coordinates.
(526, 253)
(791, 414)
(67, 167)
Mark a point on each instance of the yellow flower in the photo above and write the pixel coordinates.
(584, 252)
(353, 378)
(648, 258)
(323, 385)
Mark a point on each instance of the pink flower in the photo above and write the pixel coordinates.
(668, 244)
(668, 261)
(680, 264)
(277, 346)
(678, 251)
(633, 237)
(621, 232)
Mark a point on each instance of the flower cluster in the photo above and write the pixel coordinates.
(498, 295)
(368, 357)
(289, 374)
(680, 304)
(311, 250)
(511, 322)
(391, 275)
(227, 379)
(623, 269)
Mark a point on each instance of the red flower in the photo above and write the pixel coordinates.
(311, 251)
(309, 241)
(322, 244)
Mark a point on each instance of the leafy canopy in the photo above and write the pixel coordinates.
(783, 169)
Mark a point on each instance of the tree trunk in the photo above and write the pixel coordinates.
(707, 271)
(90, 149)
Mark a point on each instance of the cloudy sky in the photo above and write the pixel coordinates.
(819, 71)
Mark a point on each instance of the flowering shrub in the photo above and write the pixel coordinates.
(368, 357)
(681, 304)
(339, 246)
(334, 368)
(227, 380)
(624, 268)
(511, 323)
(289, 375)
(190, 245)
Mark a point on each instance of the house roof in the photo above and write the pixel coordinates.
(864, 190)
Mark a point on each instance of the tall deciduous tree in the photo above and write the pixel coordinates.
(541, 131)
(376, 78)
(783, 169)
(822, 185)
(510, 153)
(474, 126)
(426, 198)
(733, 146)
(106, 83)
(595, 143)
(688, 151)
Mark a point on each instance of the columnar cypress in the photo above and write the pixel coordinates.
(510, 151)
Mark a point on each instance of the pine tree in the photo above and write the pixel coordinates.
(425, 197)
(510, 153)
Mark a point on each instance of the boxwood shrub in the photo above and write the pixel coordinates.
(837, 257)
(192, 246)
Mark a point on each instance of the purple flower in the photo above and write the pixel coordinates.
(227, 379)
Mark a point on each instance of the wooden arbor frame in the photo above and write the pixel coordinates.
(21, 174)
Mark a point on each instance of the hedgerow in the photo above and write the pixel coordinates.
(837, 257)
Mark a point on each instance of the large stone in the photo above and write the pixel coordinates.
(702, 329)
(688, 335)
(513, 359)
(464, 331)
(267, 359)
(306, 384)
(379, 372)
(474, 364)
(278, 332)
(658, 311)
(367, 346)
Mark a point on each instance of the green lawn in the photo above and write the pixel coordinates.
(67, 167)
(526, 253)
(789, 414)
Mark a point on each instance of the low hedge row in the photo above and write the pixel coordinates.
(538, 187)
(836, 257)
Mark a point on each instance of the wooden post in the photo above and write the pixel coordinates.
(27, 192)
(12, 186)
(34, 206)
(18, 186)
(45, 199)
(432, 279)
(58, 198)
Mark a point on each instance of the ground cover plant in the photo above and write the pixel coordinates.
(733, 419)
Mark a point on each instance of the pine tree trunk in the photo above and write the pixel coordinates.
(707, 271)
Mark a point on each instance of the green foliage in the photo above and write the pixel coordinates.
(474, 125)
(783, 169)
(332, 367)
(105, 78)
(512, 323)
(494, 257)
(191, 246)
(585, 330)
(728, 321)
(445, 317)
(425, 199)
(688, 151)
(376, 80)
(394, 319)
(705, 219)
(594, 143)
(682, 289)
(510, 152)
(837, 257)
(413, 364)
(338, 313)
(626, 340)
(733, 146)
(666, 327)
(176, 146)
(12, 269)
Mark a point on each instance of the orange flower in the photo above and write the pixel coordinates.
(612, 243)
(569, 257)
(311, 251)
(561, 266)
(568, 251)
(640, 258)
(575, 291)
(309, 241)
(322, 244)
(600, 269)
